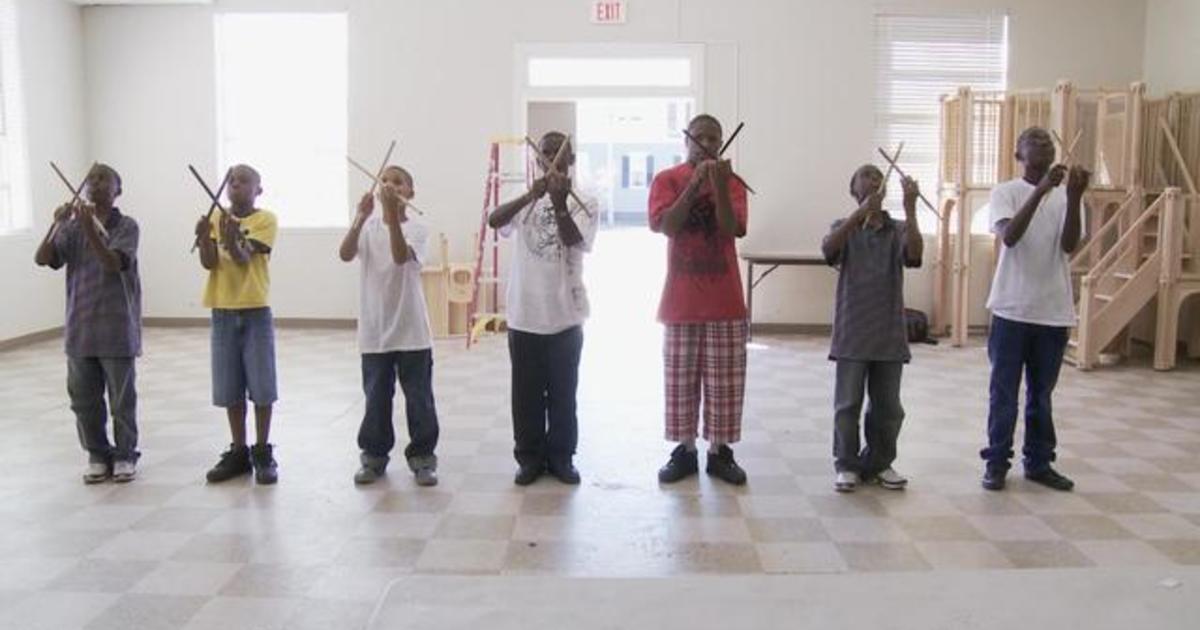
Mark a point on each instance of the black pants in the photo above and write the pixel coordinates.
(545, 375)
(414, 370)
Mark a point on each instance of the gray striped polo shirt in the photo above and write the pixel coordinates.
(868, 323)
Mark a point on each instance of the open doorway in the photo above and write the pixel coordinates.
(624, 107)
(620, 144)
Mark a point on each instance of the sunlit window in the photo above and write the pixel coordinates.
(281, 94)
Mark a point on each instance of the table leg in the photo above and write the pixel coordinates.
(749, 299)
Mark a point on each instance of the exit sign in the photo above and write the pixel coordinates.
(608, 12)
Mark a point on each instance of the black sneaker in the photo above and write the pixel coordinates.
(233, 463)
(722, 466)
(1051, 479)
(993, 478)
(528, 473)
(683, 464)
(264, 464)
(565, 473)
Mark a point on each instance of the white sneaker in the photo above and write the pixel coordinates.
(124, 472)
(891, 479)
(96, 472)
(846, 481)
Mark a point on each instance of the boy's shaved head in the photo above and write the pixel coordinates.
(1033, 134)
(248, 170)
(400, 170)
(866, 180)
(551, 142)
(705, 118)
(101, 167)
(865, 169)
(1035, 148)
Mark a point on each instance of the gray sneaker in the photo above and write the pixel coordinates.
(426, 476)
(424, 468)
(371, 470)
(96, 472)
(124, 471)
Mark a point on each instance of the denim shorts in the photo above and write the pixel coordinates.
(243, 356)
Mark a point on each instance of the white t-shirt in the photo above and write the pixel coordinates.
(1033, 278)
(545, 286)
(392, 315)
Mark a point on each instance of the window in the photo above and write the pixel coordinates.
(609, 72)
(918, 59)
(14, 177)
(281, 101)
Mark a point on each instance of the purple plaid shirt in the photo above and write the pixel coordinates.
(104, 310)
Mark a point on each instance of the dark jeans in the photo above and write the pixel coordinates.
(414, 369)
(1038, 351)
(545, 375)
(87, 378)
(881, 380)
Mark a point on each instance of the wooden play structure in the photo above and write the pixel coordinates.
(1139, 262)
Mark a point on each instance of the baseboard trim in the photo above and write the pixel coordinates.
(280, 322)
(31, 338)
(767, 328)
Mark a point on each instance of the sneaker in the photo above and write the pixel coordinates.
(722, 466)
(683, 464)
(890, 479)
(233, 463)
(426, 476)
(96, 472)
(566, 473)
(528, 473)
(846, 481)
(265, 472)
(424, 469)
(993, 478)
(124, 472)
(1051, 479)
(371, 470)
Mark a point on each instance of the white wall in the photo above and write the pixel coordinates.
(1172, 45)
(438, 76)
(50, 35)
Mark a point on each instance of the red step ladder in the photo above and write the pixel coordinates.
(487, 248)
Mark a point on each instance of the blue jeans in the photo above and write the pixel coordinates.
(243, 356)
(414, 370)
(1037, 350)
(545, 376)
(885, 414)
(87, 378)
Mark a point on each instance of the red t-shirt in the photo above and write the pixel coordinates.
(703, 284)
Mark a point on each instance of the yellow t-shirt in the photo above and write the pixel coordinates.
(234, 286)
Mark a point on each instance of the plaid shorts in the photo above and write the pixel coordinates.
(711, 355)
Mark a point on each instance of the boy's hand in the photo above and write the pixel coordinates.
(203, 227)
(366, 206)
(722, 170)
(538, 188)
(874, 201)
(230, 229)
(85, 213)
(1052, 178)
(558, 186)
(62, 214)
(393, 204)
(911, 192)
(700, 174)
(1077, 181)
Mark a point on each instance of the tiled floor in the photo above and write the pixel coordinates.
(169, 551)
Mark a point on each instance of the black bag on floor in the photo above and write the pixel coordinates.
(917, 326)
